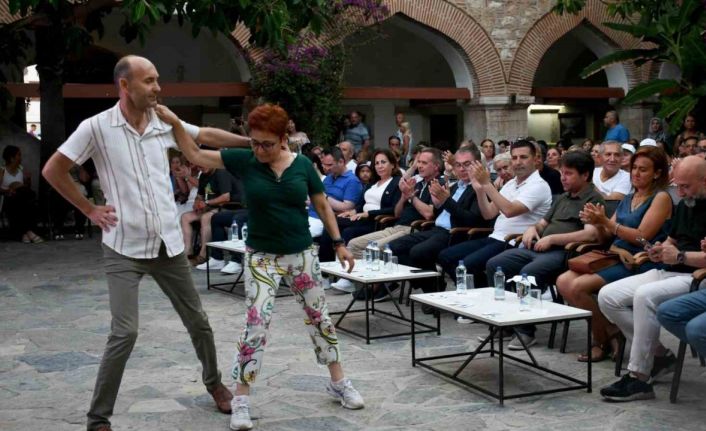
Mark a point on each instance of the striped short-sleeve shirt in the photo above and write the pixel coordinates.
(133, 170)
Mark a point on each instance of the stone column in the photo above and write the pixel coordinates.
(496, 118)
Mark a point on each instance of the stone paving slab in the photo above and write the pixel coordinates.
(55, 320)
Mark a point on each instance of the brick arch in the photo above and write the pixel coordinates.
(471, 40)
(550, 28)
(477, 47)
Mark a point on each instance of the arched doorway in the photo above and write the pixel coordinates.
(567, 106)
(408, 54)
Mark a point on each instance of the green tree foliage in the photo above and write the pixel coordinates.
(675, 33)
(63, 26)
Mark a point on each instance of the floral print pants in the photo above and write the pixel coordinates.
(263, 272)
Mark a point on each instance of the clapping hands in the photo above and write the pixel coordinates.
(593, 214)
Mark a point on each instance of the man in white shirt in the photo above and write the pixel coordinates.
(141, 235)
(348, 153)
(611, 181)
(521, 203)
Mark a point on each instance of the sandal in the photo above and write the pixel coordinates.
(598, 354)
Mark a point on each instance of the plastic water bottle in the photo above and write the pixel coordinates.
(461, 278)
(375, 256)
(499, 284)
(234, 231)
(387, 258)
(369, 256)
(244, 232)
(523, 288)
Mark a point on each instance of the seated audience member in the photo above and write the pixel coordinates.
(61, 207)
(503, 167)
(553, 157)
(394, 143)
(342, 188)
(414, 203)
(542, 253)
(364, 174)
(18, 199)
(632, 303)
(216, 188)
(411, 170)
(378, 198)
(701, 148)
(521, 203)
(191, 174)
(685, 316)
(597, 155)
(612, 182)
(487, 148)
(687, 147)
(348, 155)
(645, 213)
(455, 206)
(628, 151)
(178, 174)
(503, 146)
(551, 176)
(587, 145)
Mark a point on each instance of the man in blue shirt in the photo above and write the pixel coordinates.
(357, 133)
(616, 131)
(342, 187)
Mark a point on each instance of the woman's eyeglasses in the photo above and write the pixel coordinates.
(265, 145)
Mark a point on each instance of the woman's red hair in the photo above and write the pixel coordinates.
(269, 118)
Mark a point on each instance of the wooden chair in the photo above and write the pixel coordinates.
(698, 276)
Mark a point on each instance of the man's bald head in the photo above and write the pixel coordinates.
(690, 177)
(124, 67)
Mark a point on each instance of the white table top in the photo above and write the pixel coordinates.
(237, 246)
(480, 304)
(363, 275)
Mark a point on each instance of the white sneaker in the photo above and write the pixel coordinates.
(325, 283)
(344, 285)
(515, 344)
(345, 392)
(240, 415)
(213, 265)
(232, 268)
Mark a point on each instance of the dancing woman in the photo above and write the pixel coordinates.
(277, 183)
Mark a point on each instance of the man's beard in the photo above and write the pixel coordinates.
(690, 202)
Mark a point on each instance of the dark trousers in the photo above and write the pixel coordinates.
(474, 254)
(419, 249)
(21, 210)
(220, 225)
(173, 275)
(349, 230)
(545, 267)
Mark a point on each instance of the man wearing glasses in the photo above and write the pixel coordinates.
(454, 207)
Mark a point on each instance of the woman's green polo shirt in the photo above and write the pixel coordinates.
(278, 222)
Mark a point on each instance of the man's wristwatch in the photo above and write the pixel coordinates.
(338, 242)
(681, 257)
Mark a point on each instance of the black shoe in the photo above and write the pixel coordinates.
(628, 388)
(428, 309)
(662, 366)
(381, 294)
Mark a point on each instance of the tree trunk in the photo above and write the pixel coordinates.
(50, 66)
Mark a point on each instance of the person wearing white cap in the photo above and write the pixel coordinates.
(648, 142)
(628, 151)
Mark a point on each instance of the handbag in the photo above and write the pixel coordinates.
(593, 261)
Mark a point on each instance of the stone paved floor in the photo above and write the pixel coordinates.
(55, 318)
